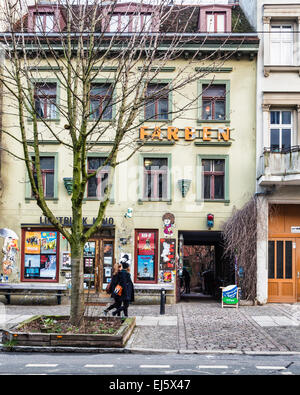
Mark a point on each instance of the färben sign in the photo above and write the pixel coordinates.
(173, 133)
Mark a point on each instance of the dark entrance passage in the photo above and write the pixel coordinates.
(208, 270)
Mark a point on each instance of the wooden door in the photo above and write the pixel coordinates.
(298, 269)
(282, 270)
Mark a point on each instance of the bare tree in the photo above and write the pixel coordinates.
(77, 48)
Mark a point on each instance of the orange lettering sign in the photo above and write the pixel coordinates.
(143, 133)
(189, 133)
(206, 133)
(172, 133)
(223, 134)
(156, 133)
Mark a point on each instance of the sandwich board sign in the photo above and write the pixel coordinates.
(230, 296)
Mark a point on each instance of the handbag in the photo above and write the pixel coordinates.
(118, 290)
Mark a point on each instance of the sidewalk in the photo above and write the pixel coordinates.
(195, 327)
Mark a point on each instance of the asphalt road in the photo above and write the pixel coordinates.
(136, 366)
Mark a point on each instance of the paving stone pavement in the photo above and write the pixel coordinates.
(195, 326)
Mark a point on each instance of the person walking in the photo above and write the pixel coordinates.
(187, 280)
(113, 283)
(127, 296)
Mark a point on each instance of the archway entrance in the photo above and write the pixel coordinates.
(204, 265)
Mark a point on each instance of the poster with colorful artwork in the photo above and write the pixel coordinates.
(32, 242)
(167, 253)
(145, 267)
(48, 266)
(146, 243)
(48, 242)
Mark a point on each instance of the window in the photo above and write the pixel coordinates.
(45, 97)
(40, 256)
(100, 98)
(281, 126)
(213, 102)
(214, 179)
(157, 102)
(47, 165)
(44, 22)
(98, 183)
(155, 178)
(130, 23)
(215, 22)
(146, 251)
(281, 44)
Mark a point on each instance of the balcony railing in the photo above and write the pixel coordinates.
(279, 167)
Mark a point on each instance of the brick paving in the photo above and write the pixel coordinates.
(196, 326)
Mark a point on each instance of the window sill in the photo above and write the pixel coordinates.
(94, 199)
(32, 199)
(224, 201)
(156, 120)
(102, 120)
(226, 121)
(281, 69)
(57, 120)
(141, 201)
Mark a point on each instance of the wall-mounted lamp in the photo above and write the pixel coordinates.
(68, 181)
(184, 186)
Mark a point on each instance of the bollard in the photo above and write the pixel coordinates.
(162, 300)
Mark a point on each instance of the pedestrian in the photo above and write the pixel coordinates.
(127, 296)
(187, 280)
(112, 285)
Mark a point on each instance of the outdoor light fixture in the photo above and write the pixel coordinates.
(68, 181)
(184, 186)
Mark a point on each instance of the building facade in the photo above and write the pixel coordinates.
(277, 129)
(187, 166)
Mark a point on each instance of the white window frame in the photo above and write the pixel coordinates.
(281, 126)
(283, 39)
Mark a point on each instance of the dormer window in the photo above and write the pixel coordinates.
(130, 23)
(44, 22)
(215, 19)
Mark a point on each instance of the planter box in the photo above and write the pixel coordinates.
(14, 337)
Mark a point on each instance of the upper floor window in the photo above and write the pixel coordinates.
(155, 178)
(214, 178)
(44, 22)
(213, 102)
(157, 102)
(98, 183)
(215, 22)
(130, 23)
(281, 127)
(281, 44)
(45, 96)
(47, 165)
(100, 101)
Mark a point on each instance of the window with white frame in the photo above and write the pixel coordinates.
(281, 44)
(215, 22)
(44, 22)
(281, 130)
(130, 22)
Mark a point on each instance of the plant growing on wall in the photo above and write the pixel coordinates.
(104, 63)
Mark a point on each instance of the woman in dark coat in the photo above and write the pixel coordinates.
(113, 283)
(127, 296)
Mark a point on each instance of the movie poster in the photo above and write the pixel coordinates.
(32, 242)
(48, 242)
(48, 266)
(146, 243)
(145, 267)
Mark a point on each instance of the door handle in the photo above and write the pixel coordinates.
(298, 274)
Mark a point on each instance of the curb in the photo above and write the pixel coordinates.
(147, 351)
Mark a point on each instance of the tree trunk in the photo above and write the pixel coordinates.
(77, 291)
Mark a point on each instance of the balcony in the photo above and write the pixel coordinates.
(281, 167)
